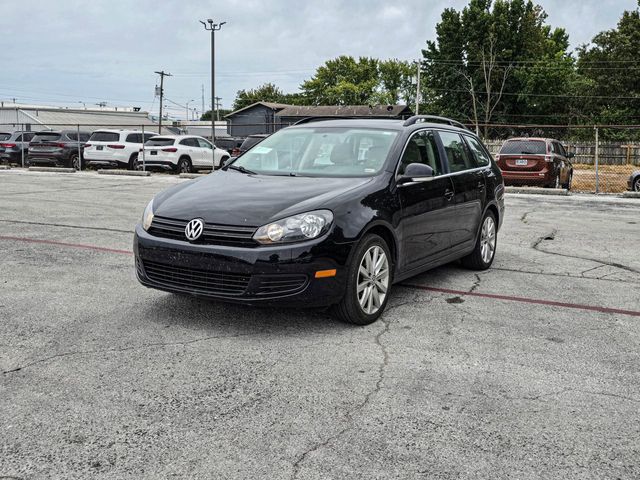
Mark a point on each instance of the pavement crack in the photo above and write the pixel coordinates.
(349, 416)
(118, 350)
(524, 216)
(476, 284)
(587, 392)
(82, 227)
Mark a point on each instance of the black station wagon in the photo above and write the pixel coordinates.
(327, 213)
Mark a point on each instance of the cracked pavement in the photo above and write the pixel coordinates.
(103, 378)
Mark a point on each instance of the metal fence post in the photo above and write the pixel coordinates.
(22, 144)
(597, 158)
(143, 142)
(79, 152)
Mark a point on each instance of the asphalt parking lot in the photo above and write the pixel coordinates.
(528, 370)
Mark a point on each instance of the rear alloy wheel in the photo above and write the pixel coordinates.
(74, 161)
(636, 185)
(133, 162)
(184, 165)
(368, 283)
(483, 253)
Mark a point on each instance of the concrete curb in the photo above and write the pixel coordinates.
(192, 175)
(131, 173)
(538, 191)
(5, 167)
(631, 195)
(52, 169)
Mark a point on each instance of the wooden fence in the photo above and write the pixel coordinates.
(610, 153)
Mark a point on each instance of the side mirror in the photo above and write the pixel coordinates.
(416, 172)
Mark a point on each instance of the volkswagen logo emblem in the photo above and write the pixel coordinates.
(194, 229)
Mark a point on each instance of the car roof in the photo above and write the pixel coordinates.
(114, 130)
(380, 123)
(177, 137)
(537, 139)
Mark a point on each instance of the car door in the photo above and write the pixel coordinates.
(469, 187)
(206, 152)
(427, 207)
(189, 146)
(564, 162)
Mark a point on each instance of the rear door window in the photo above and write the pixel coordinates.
(104, 137)
(480, 155)
(524, 147)
(457, 154)
(134, 138)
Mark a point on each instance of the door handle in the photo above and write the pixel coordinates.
(448, 194)
(480, 185)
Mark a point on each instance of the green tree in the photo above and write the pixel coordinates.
(206, 116)
(395, 83)
(267, 92)
(343, 81)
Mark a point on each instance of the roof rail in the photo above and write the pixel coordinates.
(342, 117)
(433, 118)
(319, 119)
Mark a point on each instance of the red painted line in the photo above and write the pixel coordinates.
(64, 244)
(494, 296)
(536, 301)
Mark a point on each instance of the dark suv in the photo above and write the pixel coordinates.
(57, 148)
(327, 213)
(13, 145)
(541, 162)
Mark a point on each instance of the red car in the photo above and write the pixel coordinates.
(539, 162)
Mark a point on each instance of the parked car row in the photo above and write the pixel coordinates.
(112, 149)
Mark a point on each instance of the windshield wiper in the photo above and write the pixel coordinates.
(240, 168)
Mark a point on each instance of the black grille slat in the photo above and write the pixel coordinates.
(281, 284)
(223, 235)
(197, 279)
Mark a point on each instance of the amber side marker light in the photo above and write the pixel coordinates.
(326, 273)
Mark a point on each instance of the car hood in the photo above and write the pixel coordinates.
(234, 198)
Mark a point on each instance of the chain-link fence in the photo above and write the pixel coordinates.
(594, 162)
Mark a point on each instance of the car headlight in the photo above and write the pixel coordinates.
(147, 216)
(296, 228)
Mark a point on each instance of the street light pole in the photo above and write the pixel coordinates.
(213, 28)
(187, 111)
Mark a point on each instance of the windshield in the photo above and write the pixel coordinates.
(5, 136)
(535, 147)
(320, 152)
(104, 137)
(46, 137)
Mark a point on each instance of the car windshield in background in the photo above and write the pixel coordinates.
(320, 152)
(104, 137)
(46, 137)
(5, 136)
(524, 147)
(159, 142)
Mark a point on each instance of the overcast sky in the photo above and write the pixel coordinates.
(65, 52)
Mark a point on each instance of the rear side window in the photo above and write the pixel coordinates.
(134, 138)
(479, 154)
(524, 147)
(203, 143)
(457, 155)
(104, 137)
(421, 148)
(147, 136)
(27, 137)
(189, 142)
(160, 142)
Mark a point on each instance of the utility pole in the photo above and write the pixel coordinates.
(218, 104)
(187, 111)
(418, 89)
(162, 74)
(203, 99)
(213, 28)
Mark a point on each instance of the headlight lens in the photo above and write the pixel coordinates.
(295, 229)
(147, 216)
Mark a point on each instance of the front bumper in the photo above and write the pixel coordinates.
(266, 275)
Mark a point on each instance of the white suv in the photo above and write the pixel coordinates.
(183, 153)
(114, 148)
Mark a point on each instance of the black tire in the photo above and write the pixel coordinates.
(349, 309)
(184, 165)
(75, 161)
(636, 185)
(567, 185)
(476, 260)
(222, 161)
(133, 162)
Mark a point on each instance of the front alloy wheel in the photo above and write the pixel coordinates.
(373, 280)
(369, 280)
(483, 253)
(636, 185)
